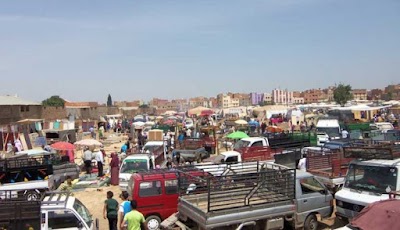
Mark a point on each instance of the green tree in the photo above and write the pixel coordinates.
(109, 100)
(55, 101)
(342, 94)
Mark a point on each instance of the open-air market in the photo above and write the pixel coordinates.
(199, 115)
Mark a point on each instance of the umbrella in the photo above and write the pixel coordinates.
(169, 122)
(150, 123)
(159, 117)
(172, 118)
(205, 113)
(237, 135)
(138, 124)
(63, 146)
(241, 122)
(88, 142)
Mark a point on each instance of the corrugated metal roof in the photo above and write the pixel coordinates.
(13, 100)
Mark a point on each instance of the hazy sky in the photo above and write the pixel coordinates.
(84, 49)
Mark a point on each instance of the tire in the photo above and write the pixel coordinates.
(311, 223)
(32, 196)
(153, 223)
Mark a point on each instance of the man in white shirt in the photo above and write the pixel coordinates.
(100, 162)
(302, 166)
(189, 133)
(87, 159)
(345, 134)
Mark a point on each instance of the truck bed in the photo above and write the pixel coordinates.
(232, 200)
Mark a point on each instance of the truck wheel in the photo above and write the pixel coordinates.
(32, 196)
(311, 223)
(153, 222)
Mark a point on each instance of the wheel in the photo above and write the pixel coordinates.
(32, 196)
(311, 223)
(153, 222)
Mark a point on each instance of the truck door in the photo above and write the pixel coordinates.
(312, 196)
(64, 220)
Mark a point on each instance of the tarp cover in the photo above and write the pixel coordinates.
(382, 215)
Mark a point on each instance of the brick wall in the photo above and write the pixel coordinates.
(10, 114)
(54, 113)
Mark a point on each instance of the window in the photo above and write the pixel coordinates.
(22, 108)
(27, 108)
(232, 159)
(257, 143)
(148, 189)
(310, 185)
(62, 219)
(171, 187)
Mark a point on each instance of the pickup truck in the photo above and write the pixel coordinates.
(328, 164)
(31, 176)
(196, 155)
(264, 145)
(52, 211)
(268, 199)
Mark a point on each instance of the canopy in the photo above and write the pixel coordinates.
(32, 152)
(237, 135)
(207, 112)
(63, 146)
(254, 123)
(150, 123)
(198, 110)
(159, 117)
(29, 121)
(88, 142)
(241, 122)
(170, 112)
(383, 215)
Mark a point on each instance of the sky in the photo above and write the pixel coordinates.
(84, 50)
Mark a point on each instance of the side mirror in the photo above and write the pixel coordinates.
(80, 225)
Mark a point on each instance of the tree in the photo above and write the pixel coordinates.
(109, 100)
(342, 94)
(54, 101)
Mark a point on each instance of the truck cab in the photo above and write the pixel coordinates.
(133, 164)
(251, 142)
(372, 177)
(327, 129)
(53, 211)
(157, 192)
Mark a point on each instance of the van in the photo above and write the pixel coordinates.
(157, 192)
(133, 164)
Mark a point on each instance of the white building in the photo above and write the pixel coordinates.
(282, 97)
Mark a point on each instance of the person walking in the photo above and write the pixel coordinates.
(87, 159)
(134, 219)
(114, 164)
(124, 208)
(110, 211)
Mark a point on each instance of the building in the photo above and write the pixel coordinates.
(227, 101)
(359, 94)
(13, 109)
(313, 96)
(156, 102)
(135, 103)
(392, 92)
(298, 100)
(282, 97)
(267, 98)
(375, 94)
(329, 94)
(198, 101)
(257, 98)
(244, 99)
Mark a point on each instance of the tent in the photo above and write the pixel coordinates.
(198, 110)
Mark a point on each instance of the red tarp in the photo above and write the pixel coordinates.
(382, 215)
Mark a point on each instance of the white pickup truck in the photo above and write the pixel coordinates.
(52, 211)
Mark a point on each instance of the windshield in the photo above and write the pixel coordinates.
(331, 131)
(83, 212)
(375, 179)
(219, 159)
(241, 144)
(134, 165)
(151, 148)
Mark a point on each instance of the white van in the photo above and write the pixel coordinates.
(327, 129)
(133, 164)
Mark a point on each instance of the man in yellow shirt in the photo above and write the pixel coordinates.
(134, 219)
